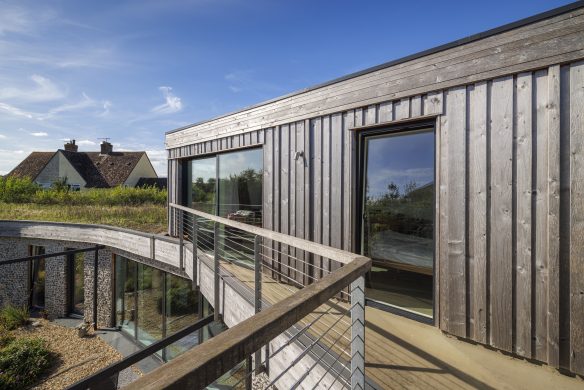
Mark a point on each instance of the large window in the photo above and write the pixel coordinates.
(152, 304)
(398, 218)
(229, 185)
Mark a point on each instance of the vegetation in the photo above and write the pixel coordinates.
(12, 317)
(22, 362)
(133, 208)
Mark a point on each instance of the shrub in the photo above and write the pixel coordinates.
(13, 317)
(17, 190)
(22, 362)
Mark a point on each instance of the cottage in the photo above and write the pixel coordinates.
(103, 169)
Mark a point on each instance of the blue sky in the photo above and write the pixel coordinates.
(131, 70)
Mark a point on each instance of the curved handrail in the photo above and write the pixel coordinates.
(339, 255)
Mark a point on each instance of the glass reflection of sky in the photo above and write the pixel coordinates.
(401, 160)
(237, 162)
(230, 164)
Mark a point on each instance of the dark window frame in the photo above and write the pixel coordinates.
(358, 183)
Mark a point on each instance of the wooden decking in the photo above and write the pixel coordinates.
(405, 354)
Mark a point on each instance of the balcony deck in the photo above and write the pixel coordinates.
(402, 353)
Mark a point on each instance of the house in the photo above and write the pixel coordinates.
(492, 250)
(103, 169)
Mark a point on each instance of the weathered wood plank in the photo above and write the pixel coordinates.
(385, 112)
(336, 180)
(577, 217)
(301, 166)
(477, 206)
(541, 215)
(326, 185)
(523, 206)
(501, 248)
(442, 261)
(293, 205)
(456, 230)
(308, 180)
(433, 103)
(416, 106)
(285, 195)
(317, 185)
(553, 192)
(268, 202)
(402, 109)
(349, 169)
(277, 267)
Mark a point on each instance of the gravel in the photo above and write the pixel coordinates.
(76, 358)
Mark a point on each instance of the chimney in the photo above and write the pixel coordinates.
(106, 148)
(70, 146)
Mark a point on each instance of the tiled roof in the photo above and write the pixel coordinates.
(107, 170)
(97, 170)
(32, 165)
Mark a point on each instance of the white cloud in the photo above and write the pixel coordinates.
(85, 142)
(44, 90)
(173, 103)
(16, 111)
(159, 161)
(2, 136)
(39, 134)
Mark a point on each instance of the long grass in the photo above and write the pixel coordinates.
(141, 209)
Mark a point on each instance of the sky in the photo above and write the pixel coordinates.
(132, 70)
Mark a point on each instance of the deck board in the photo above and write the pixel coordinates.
(404, 354)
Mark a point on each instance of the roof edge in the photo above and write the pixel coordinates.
(471, 38)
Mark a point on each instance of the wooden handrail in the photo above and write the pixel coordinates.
(318, 249)
(205, 363)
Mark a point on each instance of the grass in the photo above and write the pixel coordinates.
(150, 218)
(142, 209)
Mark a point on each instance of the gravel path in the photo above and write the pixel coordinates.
(76, 357)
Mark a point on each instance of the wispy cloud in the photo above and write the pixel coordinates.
(172, 103)
(2, 136)
(86, 142)
(39, 134)
(16, 111)
(246, 81)
(44, 90)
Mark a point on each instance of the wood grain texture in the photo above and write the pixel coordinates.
(523, 208)
(577, 217)
(477, 206)
(501, 256)
(456, 230)
(553, 193)
(541, 215)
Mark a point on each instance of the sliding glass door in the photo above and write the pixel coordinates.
(398, 218)
(76, 283)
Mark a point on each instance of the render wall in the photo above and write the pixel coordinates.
(142, 169)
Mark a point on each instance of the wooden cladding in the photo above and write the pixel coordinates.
(559, 39)
(511, 231)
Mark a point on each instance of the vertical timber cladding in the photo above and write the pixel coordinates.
(309, 168)
(511, 229)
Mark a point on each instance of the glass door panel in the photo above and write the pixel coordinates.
(125, 295)
(203, 184)
(150, 304)
(37, 278)
(77, 292)
(398, 219)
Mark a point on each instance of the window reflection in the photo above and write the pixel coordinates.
(398, 219)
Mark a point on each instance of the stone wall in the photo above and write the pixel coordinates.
(105, 287)
(14, 278)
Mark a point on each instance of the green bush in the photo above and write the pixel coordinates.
(22, 362)
(23, 190)
(17, 190)
(13, 317)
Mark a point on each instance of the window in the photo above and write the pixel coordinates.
(37, 278)
(152, 304)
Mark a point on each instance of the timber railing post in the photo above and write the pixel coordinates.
(358, 334)
(216, 302)
(95, 261)
(195, 243)
(181, 238)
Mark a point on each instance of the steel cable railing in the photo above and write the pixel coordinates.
(308, 330)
